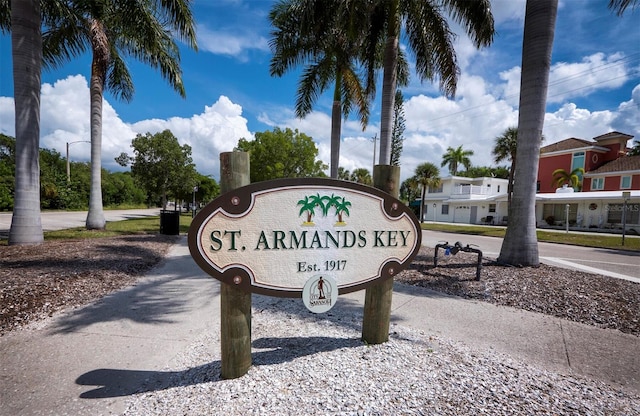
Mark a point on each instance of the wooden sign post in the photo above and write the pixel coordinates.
(235, 303)
(377, 301)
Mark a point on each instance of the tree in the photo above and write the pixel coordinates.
(326, 39)
(486, 172)
(455, 157)
(113, 31)
(26, 49)
(573, 178)
(430, 39)
(282, 154)
(7, 171)
(426, 175)
(397, 134)
(619, 6)
(361, 175)
(208, 188)
(635, 150)
(344, 174)
(409, 190)
(505, 149)
(520, 244)
(161, 166)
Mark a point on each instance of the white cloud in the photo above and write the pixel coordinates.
(579, 79)
(7, 116)
(234, 44)
(209, 133)
(627, 118)
(65, 118)
(473, 120)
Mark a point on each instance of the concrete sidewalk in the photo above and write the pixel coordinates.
(89, 360)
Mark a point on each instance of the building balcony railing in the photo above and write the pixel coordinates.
(470, 191)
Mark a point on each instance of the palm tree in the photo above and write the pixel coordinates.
(505, 148)
(397, 134)
(619, 6)
(431, 40)
(362, 175)
(427, 175)
(635, 150)
(409, 189)
(325, 38)
(520, 245)
(113, 30)
(26, 45)
(455, 157)
(573, 178)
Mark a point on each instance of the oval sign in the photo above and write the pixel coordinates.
(270, 237)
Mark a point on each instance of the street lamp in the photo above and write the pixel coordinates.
(626, 195)
(68, 166)
(566, 218)
(193, 206)
(434, 212)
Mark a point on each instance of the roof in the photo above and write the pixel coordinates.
(567, 144)
(621, 164)
(611, 135)
(593, 195)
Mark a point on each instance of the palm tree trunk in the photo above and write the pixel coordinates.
(389, 84)
(336, 127)
(510, 184)
(520, 244)
(26, 47)
(95, 217)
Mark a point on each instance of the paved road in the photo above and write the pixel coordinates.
(60, 220)
(614, 263)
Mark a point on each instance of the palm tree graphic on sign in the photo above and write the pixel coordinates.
(310, 203)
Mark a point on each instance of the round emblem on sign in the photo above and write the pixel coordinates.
(320, 293)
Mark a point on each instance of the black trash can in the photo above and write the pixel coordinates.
(170, 222)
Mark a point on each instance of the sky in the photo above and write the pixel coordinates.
(594, 88)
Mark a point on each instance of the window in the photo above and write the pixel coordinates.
(538, 186)
(492, 207)
(625, 182)
(498, 188)
(597, 184)
(577, 161)
(445, 209)
(614, 213)
(558, 212)
(437, 190)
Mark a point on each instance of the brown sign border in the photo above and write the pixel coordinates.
(239, 200)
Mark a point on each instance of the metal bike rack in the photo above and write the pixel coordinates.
(454, 249)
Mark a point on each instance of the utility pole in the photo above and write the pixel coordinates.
(68, 165)
(374, 138)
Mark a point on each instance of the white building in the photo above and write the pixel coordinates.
(484, 201)
(467, 200)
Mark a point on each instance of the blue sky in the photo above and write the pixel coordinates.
(594, 89)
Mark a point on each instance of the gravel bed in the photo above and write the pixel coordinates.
(310, 365)
(306, 364)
